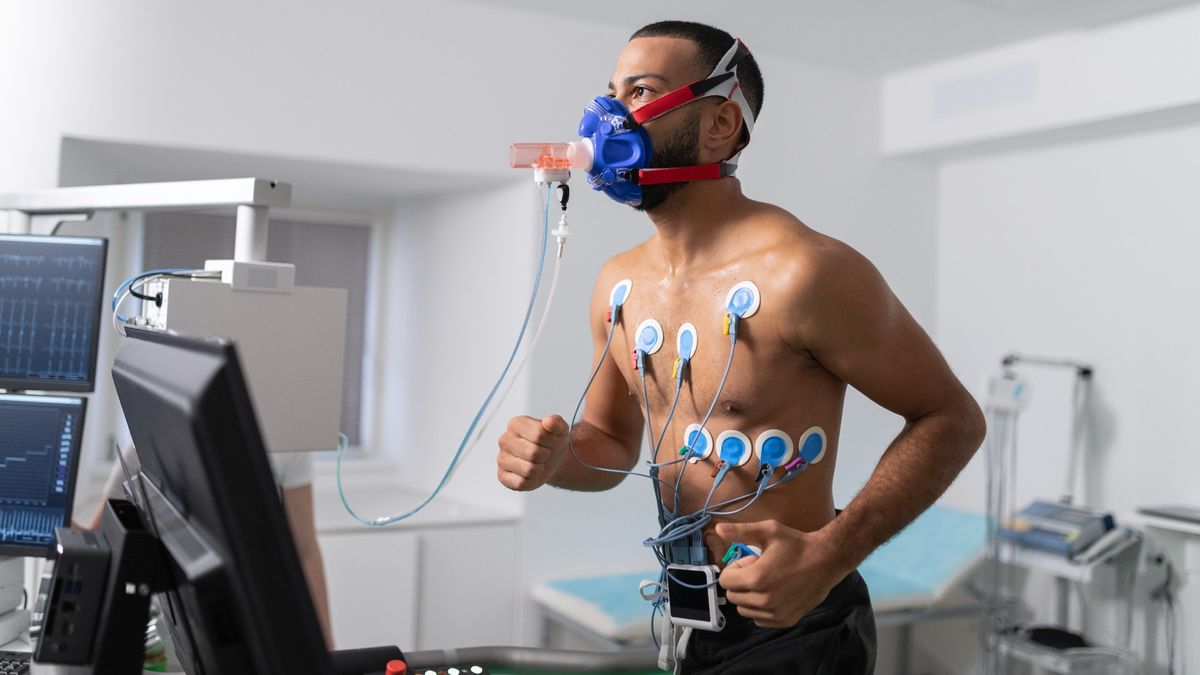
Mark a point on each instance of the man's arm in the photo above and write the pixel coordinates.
(861, 332)
(851, 322)
(535, 452)
(298, 504)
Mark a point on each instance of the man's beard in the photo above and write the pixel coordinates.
(677, 150)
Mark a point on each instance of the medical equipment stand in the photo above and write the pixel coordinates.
(1066, 571)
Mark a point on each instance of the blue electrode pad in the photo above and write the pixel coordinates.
(685, 341)
(743, 300)
(699, 440)
(620, 293)
(733, 447)
(649, 336)
(812, 445)
(773, 447)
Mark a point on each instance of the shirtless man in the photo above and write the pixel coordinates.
(827, 320)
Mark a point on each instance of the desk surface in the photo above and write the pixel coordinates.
(16, 646)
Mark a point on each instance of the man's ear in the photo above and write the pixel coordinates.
(720, 132)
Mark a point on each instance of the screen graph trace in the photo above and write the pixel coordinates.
(39, 453)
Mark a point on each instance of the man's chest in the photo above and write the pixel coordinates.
(683, 332)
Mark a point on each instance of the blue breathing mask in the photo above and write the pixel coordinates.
(617, 150)
(621, 149)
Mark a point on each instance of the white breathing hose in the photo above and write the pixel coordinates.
(466, 442)
(512, 380)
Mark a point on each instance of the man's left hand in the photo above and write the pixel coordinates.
(792, 576)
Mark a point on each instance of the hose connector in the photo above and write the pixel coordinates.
(562, 232)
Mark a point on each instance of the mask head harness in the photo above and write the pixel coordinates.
(621, 148)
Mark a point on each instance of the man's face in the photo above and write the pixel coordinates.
(647, 69)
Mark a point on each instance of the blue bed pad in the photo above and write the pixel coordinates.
(922, 563)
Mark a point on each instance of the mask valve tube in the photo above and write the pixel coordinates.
(551, 162)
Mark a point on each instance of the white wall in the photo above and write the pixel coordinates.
(1094, 74)
(1084, 250)
(432, 86)
(459, 274)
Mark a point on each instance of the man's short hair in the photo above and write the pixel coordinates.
(711, 44)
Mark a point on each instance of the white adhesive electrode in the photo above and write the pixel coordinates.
(699, 440)
(733, 447)
(812, 444)
(743, 300)
(649, 337)
(774, 447)
(686, 341)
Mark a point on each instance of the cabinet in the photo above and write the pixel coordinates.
(371, 578)
(1180, 542)
(447, 578)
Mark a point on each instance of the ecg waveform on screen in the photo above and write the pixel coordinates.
(36, 441)
(35, 451)
(47, 315)
(29, 526)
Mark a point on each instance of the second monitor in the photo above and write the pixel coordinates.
(50, 294)
(39, 455)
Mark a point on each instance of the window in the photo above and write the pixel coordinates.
(335, 256)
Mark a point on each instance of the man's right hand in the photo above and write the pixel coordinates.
(531, 451)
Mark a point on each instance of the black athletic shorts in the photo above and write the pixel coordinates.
(836, 638)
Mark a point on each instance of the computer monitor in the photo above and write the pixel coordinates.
(50, 294)
(39, 455)
(205, 487)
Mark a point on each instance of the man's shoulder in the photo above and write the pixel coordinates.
(801, 263)
(622, 264)
(788, 242)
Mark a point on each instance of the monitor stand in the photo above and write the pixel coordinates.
(99, 600)
(100, 627)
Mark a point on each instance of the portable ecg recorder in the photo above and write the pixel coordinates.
(692, 597)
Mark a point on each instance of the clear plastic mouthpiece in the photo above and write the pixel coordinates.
(574, 155)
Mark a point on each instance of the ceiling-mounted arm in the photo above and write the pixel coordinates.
(41, 211)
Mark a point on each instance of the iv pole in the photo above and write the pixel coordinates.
(1080, 399)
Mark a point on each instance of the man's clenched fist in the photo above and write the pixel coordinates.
(530, 451)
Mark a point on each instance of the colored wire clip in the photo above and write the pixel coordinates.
(737, 551)
(795, 464)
